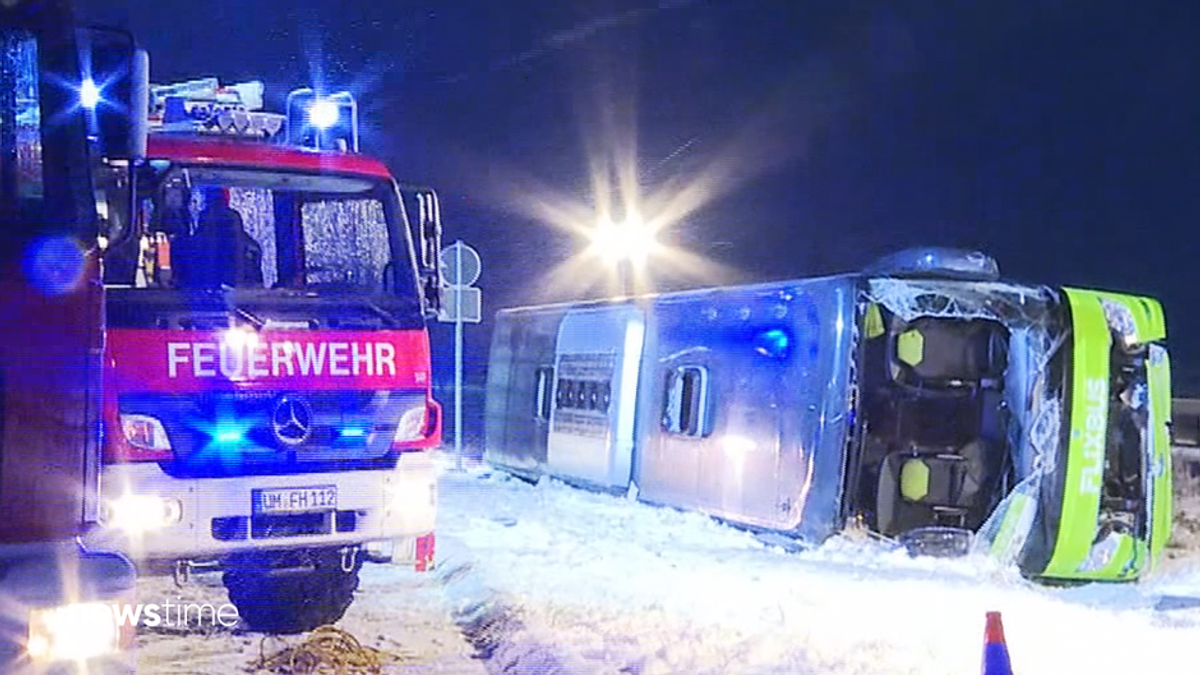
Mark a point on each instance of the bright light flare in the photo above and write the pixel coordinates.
(323, 114)
(75, 632)
(89, 94)
(632, 240)
(240, 338)
(229, 435)
(672, 193)
(135, 514)
(413, 493)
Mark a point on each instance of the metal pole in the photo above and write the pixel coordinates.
(458, 349)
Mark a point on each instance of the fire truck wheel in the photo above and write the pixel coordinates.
(290, 591)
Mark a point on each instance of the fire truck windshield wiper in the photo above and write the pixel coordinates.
(388, 316)
(253, 318)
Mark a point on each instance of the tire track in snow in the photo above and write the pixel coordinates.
(491, 623)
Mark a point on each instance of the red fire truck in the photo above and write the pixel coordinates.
(268, 405)
(56, 595)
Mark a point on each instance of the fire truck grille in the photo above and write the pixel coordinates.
(235, 433)
(278, 526)
(289, 525)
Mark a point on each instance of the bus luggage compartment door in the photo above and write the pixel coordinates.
(597, 356)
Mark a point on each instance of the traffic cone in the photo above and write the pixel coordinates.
(995, 651)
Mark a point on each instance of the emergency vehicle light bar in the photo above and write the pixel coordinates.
(322, 121)
(248, 95)
(203, 106)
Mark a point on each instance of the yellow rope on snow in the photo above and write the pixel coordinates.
(327, 650)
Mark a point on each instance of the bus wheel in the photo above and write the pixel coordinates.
(291, 591)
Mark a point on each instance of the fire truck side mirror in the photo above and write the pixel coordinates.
(140, 123)
(433, 298)
(430, 231)
(114, 92)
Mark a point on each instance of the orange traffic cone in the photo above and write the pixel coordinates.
(995, 651)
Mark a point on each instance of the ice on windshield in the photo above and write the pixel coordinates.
(208, 235)
(345, 242)
(258, 214)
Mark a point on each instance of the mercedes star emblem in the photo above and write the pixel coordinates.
(292, 420)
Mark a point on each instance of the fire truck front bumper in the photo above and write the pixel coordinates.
(153, 517)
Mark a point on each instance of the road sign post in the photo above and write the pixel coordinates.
(461, 267)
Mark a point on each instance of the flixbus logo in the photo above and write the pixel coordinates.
(260, 359)
(1095, 427)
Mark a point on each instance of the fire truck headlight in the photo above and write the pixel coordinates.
(75, 632)
(416, 494)
(323, 113)
(411, 426)
(141, 513)
(145, 432)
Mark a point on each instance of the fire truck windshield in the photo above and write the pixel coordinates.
(206, 228)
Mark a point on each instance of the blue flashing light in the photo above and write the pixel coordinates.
(55, 265)
(323, 113)
(226, 432)
(773, 343)
(229, 442)
(354, 432)
(89, 94)
(229, 435)
(322, 121)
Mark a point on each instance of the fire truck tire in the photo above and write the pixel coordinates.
(290, 592)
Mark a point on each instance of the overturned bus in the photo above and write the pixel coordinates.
(924, 400)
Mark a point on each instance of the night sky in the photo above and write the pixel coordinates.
(1064, 142)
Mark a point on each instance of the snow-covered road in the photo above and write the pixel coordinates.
(618, 587)
(396, 610)
(545, 578)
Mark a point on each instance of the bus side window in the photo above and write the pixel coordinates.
(685, 401)
(543, 396)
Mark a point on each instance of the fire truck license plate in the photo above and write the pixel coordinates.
(294, 500)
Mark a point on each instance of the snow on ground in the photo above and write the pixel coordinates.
(546, 579)
(396, 610)
(1187, 502)
(590, 583)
